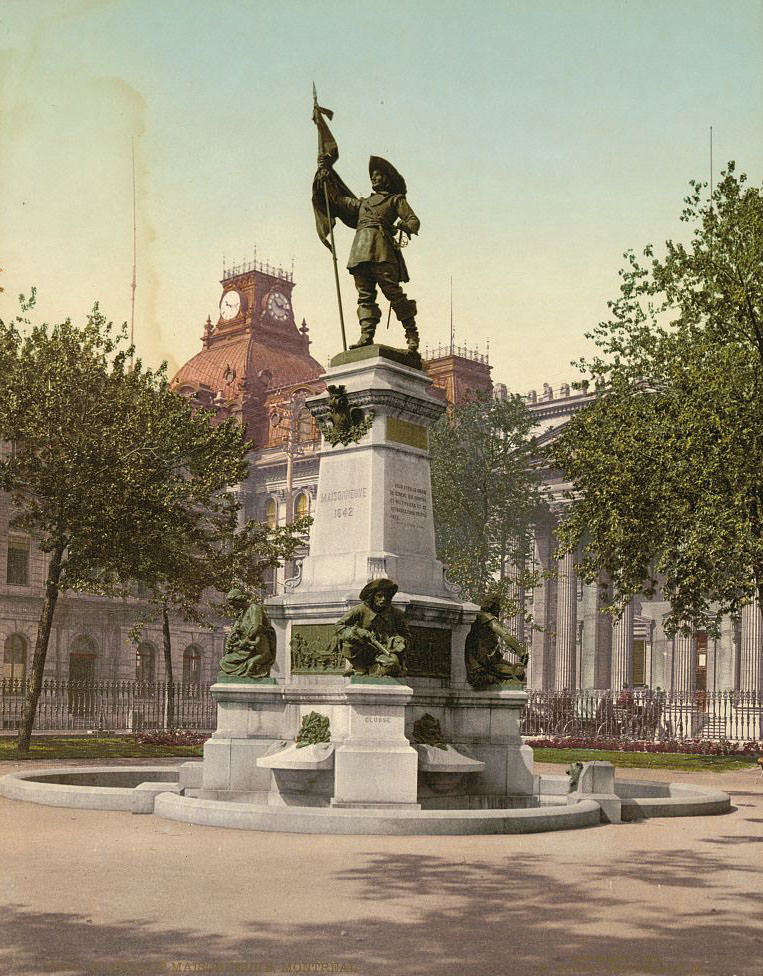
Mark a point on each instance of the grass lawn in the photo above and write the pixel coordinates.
(91, 747)
(125, 747)
(648, 760)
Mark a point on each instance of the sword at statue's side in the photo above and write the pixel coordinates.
(327, 147)
(398, 245)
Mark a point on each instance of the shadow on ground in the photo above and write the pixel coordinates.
(426, 914)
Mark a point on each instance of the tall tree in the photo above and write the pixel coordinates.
(666, 464)
(110, 471)
(189, 574)
(485, 493)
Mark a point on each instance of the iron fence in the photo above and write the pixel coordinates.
(114, 706)
(633, 714)
(645, 714)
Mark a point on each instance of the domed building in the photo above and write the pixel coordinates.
(254, 349)
(255, 365)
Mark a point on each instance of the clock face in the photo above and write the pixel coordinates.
(278, 306)
(230, 305)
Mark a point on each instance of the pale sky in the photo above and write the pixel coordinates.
(539, 140)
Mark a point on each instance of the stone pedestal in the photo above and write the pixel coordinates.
(250, 719)
(373, 514)
(487, 722)
(597, 782)
(372, 518)
(376, 766)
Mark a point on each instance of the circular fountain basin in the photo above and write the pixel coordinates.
(88, 788)
(146, 789)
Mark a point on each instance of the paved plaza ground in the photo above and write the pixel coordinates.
(88, 892)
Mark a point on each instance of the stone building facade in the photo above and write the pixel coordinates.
(89, 640)
(579, 647)
(255, 364)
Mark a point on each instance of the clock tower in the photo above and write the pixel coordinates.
(254, 348)
(256, 299)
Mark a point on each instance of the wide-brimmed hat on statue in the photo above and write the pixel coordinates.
(395, 180)
(378, 586)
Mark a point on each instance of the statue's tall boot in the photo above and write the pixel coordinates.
(405, 309)
(411, 335)
(367, 332)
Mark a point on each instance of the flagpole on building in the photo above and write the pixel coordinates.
(331, 232)
(134, 259)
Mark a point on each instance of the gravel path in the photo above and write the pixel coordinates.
(87, 892)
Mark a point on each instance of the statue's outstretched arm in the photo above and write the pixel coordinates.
(510, 640)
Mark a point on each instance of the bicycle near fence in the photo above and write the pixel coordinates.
(644, 714)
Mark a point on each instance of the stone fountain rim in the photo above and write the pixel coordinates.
(657, 799)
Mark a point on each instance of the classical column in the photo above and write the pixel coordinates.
(540, 673)
(684, 663)
(566, 623)
(595, 653)
(516, 624)
(622, 649)
(750, 656)
(662, 652)
(724, 659)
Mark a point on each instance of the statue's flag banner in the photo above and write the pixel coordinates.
(328, 153)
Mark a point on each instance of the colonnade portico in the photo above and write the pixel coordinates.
(574, 645)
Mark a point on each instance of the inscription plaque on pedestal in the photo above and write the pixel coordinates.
(430, 654)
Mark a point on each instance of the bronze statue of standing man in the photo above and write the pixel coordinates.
(376, 259)
(380, 220)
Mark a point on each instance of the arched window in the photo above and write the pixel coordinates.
(14, 658)
(83, 654)
(271, 513)
(192, 660)
(144, 662)
(301, 506)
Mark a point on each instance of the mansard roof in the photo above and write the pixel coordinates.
(224, 365)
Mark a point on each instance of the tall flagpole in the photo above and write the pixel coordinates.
(451, 315)
(134, 255)
(331, 236)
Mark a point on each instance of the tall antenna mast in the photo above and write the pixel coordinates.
(134, 253)
(451, 315)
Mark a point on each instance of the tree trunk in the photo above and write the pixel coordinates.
(40, 650)
(167, 643)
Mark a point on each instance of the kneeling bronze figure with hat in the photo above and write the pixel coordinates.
(374, 636)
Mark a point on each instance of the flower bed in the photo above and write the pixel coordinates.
(170, 737)
(695, 747)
